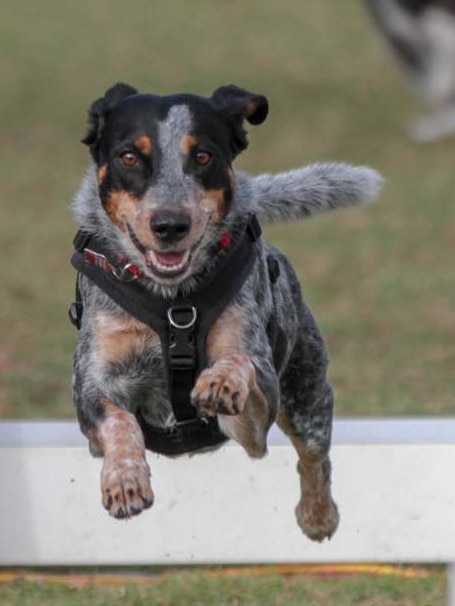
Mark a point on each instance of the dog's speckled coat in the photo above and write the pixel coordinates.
(161, 190)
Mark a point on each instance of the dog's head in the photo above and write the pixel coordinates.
(164, 169)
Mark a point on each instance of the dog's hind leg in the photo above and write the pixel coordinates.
(306, 417)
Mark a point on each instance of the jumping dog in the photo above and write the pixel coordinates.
(192, 328)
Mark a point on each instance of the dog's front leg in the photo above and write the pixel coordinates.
(125, 477)
(230, 388)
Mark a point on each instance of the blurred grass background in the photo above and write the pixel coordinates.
(380, 280)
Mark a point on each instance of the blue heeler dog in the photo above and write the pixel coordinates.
(192, 327)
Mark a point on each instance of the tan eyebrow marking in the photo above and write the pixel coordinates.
(187, 143)
(144, 145)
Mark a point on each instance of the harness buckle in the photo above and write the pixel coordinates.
(182, 348)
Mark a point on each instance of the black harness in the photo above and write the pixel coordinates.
(182, 324)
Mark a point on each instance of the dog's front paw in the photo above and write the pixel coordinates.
(125, 487)
(223, 388)
(317, 520)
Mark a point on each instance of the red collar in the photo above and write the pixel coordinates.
(128, 272)
(124, 271)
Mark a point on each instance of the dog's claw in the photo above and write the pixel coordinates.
(120, 514)
(147, 503)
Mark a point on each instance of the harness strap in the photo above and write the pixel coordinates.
(182, 323)
(182, 359)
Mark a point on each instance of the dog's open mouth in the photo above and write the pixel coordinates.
(170, 264)
(167, 264)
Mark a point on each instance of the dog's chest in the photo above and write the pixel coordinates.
(118, 337)
(129, 359)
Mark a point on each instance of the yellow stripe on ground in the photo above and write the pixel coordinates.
(85, 579)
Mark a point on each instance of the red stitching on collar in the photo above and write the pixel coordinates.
(93, 258)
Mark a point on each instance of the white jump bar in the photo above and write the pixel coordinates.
(421, 430)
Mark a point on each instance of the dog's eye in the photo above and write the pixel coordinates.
(203, 157)
(129, 159)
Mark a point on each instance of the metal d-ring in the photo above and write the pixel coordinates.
(174, 323)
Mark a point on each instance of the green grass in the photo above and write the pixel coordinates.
(380, 280)
(200, 589)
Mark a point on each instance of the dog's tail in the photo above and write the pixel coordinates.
(314, 189)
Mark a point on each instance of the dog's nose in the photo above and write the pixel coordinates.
(170, 226)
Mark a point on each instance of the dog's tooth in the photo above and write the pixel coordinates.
(150, 257)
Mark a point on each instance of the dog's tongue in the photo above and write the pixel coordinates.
(169, 259)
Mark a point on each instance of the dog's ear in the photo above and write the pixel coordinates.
(98, 110)
(238, 105)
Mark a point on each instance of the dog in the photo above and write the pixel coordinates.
(421, 34)
(192, 329)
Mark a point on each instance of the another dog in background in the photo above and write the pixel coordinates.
(192, 328)
(422, 35)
